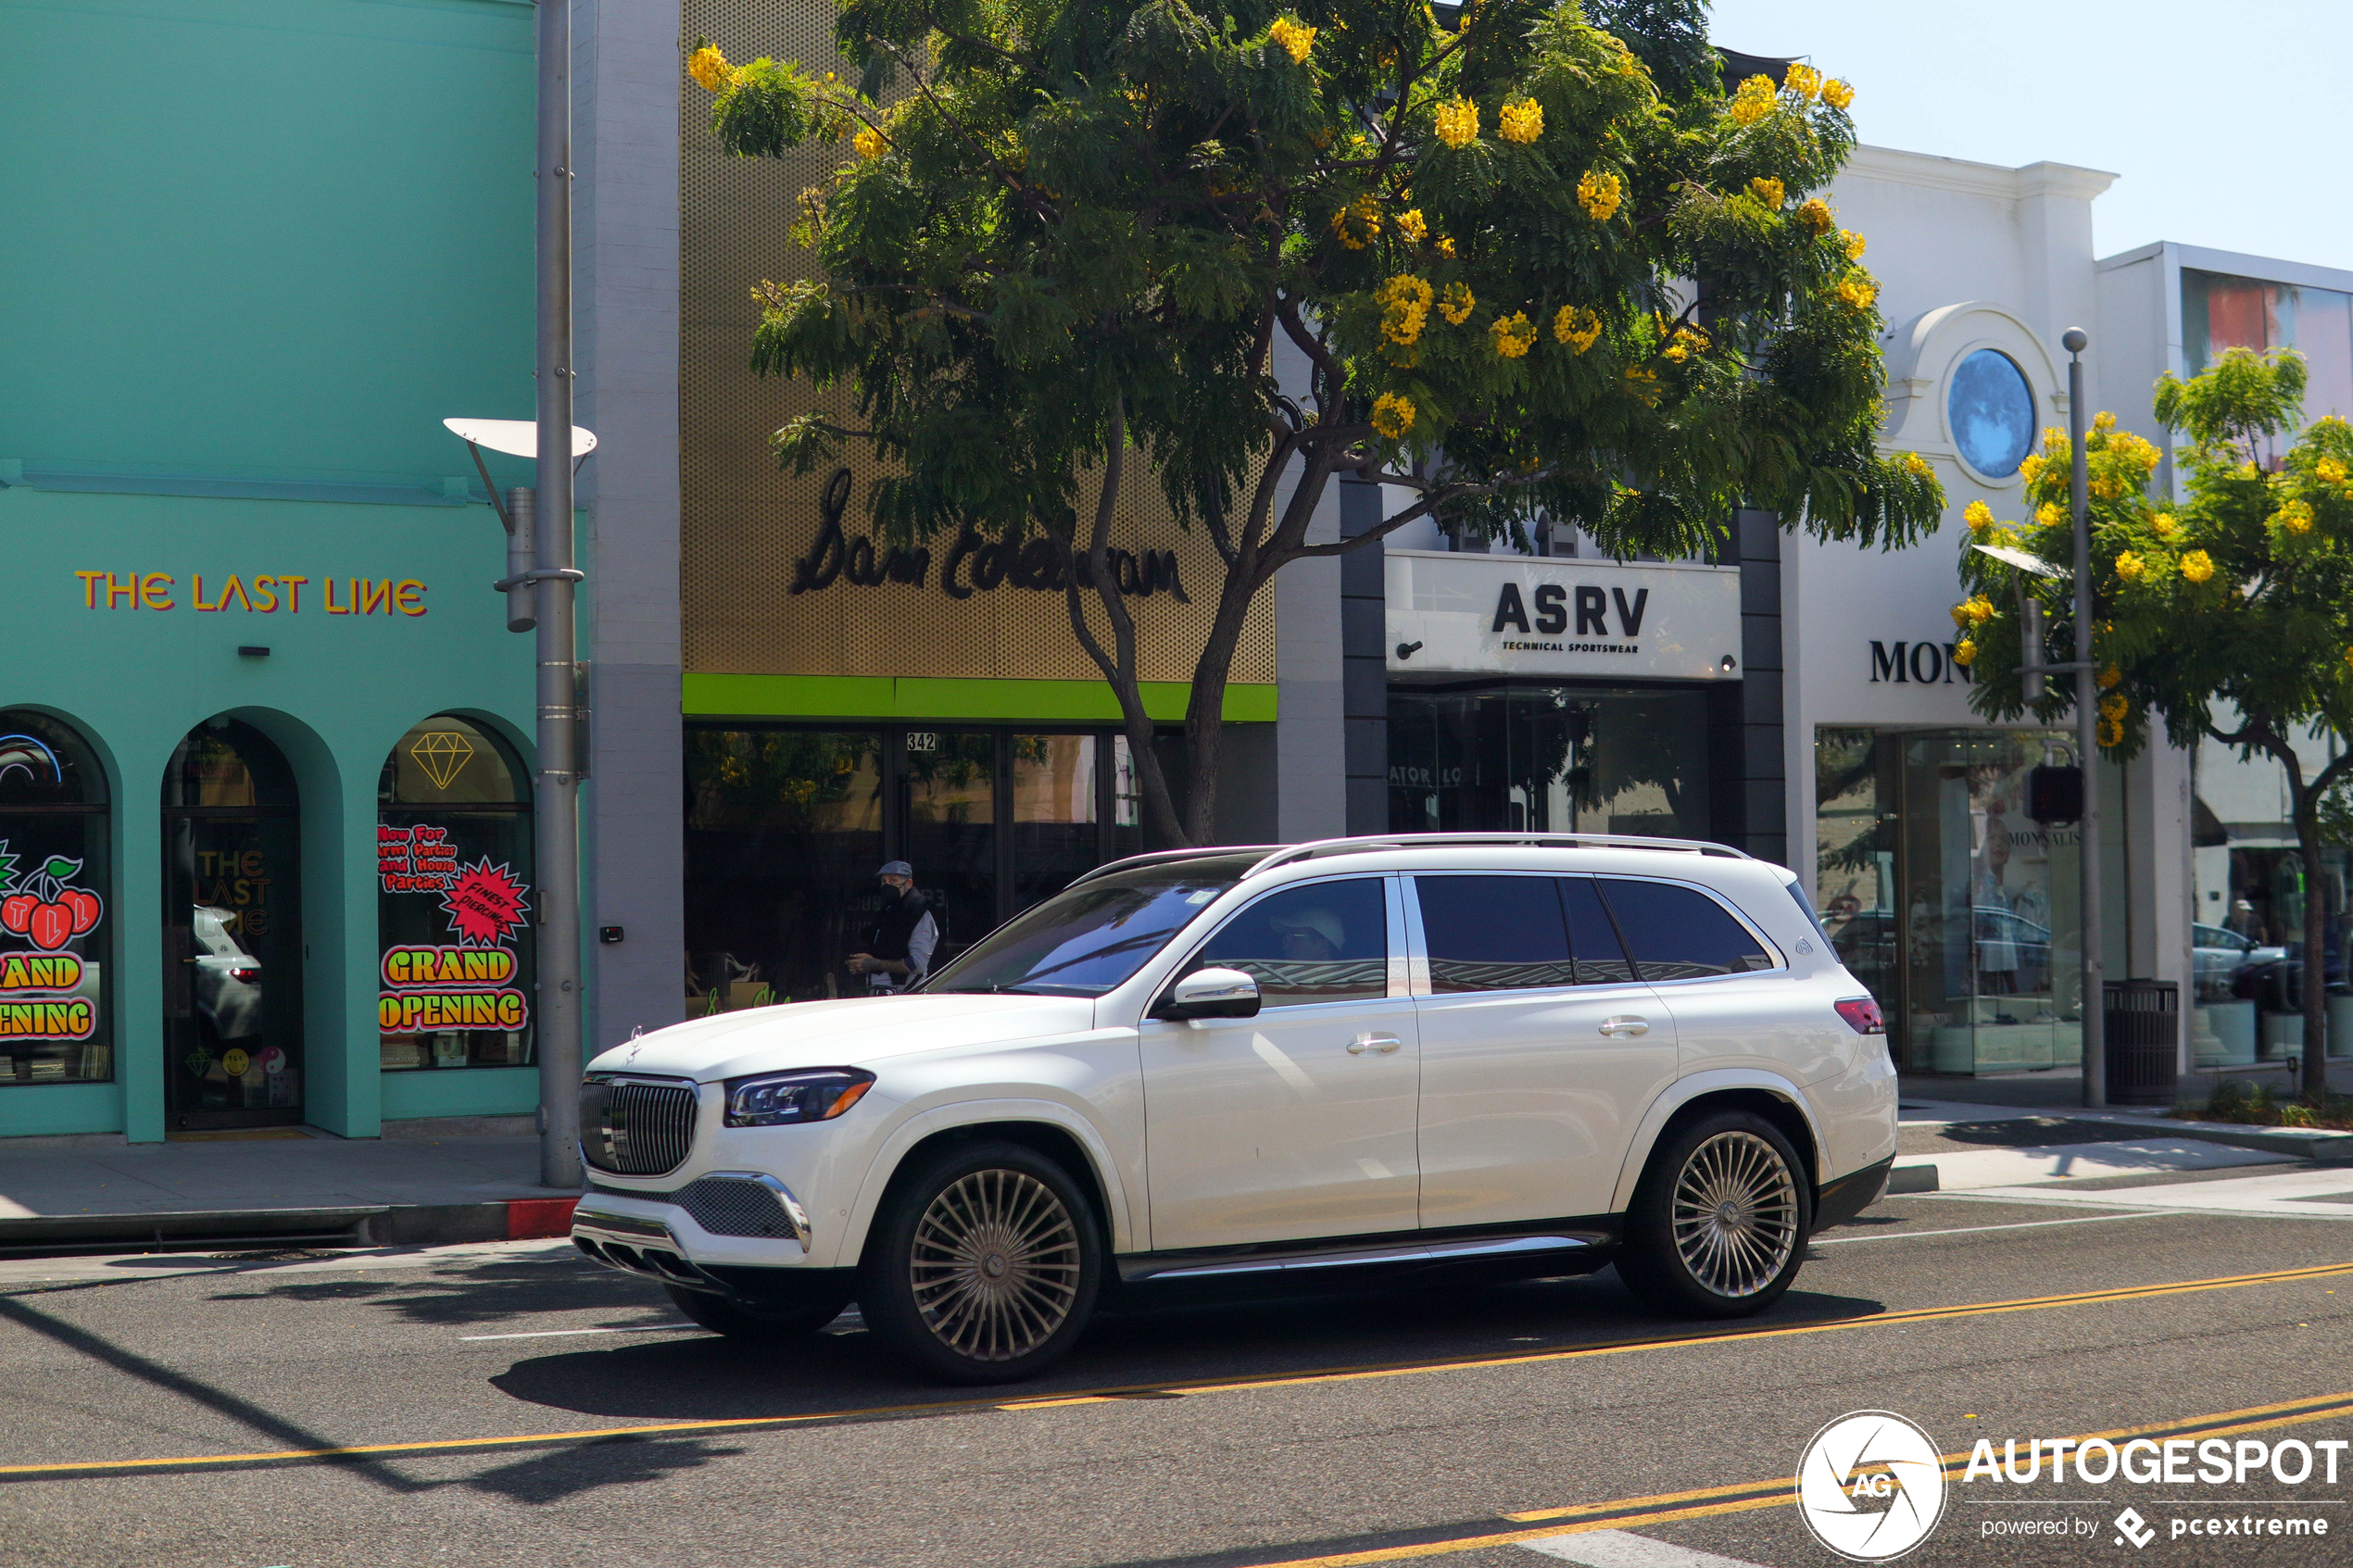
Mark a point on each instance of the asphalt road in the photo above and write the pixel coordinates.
(1407, 1427)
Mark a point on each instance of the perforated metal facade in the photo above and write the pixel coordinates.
(745, 524)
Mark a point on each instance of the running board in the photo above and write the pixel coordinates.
(1147, 1267)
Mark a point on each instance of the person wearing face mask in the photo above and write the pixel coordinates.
(901, 940)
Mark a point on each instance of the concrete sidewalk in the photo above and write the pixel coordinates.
(308, 1187)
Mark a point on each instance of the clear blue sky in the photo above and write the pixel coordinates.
(2226, 123)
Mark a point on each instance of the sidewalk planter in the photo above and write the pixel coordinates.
(2223, 1034)
(2340, 1028)
(2281, 1035)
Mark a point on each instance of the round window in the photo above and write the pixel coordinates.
(1992, 413)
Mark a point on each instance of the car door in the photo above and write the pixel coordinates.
(1298, 1123)
(1540, 1048)
(1727, 986)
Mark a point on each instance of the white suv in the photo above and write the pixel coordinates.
(1499, 1054)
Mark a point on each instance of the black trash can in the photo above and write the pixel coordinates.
(2143, 1020)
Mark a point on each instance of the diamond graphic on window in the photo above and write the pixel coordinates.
(443, 754)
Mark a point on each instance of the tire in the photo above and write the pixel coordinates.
(1718, 1225)
(741, 1320)
(984, 1264)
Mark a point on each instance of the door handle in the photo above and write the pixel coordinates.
(1380, 1045)
(1625, 1023)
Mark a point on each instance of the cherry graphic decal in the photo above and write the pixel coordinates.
(43, 908)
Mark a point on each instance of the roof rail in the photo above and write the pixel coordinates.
(1163, 857)
(1371, 843)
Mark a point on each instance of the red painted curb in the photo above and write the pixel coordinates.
(529, 1219)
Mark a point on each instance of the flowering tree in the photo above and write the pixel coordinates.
(1058, 265)
(2229, 617)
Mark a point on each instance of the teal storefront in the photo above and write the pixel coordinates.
(264, 810)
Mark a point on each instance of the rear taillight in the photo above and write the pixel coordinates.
(1862, 1015)
(247, 975)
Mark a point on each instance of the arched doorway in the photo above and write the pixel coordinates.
(456, 963)
(57, 1019)
(233, 932)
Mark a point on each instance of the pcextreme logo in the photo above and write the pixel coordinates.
(1870, 1485)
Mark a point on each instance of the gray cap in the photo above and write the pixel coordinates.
(898, 868)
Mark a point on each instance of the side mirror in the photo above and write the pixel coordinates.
(1209, 992)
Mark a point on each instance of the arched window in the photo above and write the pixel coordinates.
(454, 917)
(56, 1025)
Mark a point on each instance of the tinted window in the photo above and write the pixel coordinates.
(1679, 934)
(1600, 961)
(1493, 933)
(1326, 942)
(1087, 939)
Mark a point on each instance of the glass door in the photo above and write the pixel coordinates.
(1057, 830)
(233, 934)
(949, 794)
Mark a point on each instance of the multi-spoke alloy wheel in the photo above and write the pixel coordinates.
(995, 1266)
(984, 1264)
(1718, 1224)
(1735, 1214)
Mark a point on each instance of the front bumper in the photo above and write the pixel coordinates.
(721, 1220)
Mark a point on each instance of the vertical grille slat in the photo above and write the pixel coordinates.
(636, 1128)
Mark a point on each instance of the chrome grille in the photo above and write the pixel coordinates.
(733, 1206)
(634, 1127)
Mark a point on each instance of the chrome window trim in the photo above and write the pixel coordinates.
(1767, 943)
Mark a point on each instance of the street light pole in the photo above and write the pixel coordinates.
(2087, 735)
(556, 795)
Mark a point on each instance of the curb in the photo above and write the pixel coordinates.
(381, 1225)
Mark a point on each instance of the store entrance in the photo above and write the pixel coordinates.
(232, 933)
(785, 828)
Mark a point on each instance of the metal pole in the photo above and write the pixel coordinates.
(555, 798)
(2087, 719)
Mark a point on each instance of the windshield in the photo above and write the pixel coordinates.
(1087, 939)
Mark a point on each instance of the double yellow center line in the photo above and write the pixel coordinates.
(1209, 1386)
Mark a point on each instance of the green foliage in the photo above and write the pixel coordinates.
(2242, 594)
(1053, 210)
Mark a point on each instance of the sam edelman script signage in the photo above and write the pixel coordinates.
(1521, 615)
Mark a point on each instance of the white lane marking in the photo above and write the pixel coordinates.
(1622, 1549)
(568, 1333)
(1972, 1230)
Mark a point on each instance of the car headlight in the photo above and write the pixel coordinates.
(809, 1093)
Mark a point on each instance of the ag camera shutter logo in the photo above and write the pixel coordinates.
(1870, 1485)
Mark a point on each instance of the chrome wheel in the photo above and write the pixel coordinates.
(995, 1266)
(1735, 1214)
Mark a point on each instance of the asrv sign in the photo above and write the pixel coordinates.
(1520, 615)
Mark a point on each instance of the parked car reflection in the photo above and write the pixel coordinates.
(228, 981)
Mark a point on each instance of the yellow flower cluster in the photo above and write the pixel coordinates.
(869, 143)
(1752, 101)
(1576, 325)
(2163, 526)
(1358, 223)
(1856, 290)
(1975, 611)
(1295, 38)
(1515, 335)
(1686, 342)
(1405, 300)
(1599, 193)
(1979, 518)
(2030, 469)
(1965, 652)
(2051, 515)
(1521, 122)
(1816, 215)
(2197, 566)
(2111, 733)
(1768, 190)
(1802, 82)
(709, 68)
(1393, 415)
(1457, 123)
(1852, 243)
(1643, 382)
(1838, 95)
(1411, 225)
(2114, 707)
(2110, 677)
(2106, 487)
(2329, 470)
(2296, 517)
(1446, 247)
(2130, 566)
(1916, 466)
(2126, 443)
(1457, 303)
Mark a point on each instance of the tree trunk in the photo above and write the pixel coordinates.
(2316, 989)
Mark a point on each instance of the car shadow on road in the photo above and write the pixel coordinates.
(1138, 1349)
(472, 1296)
